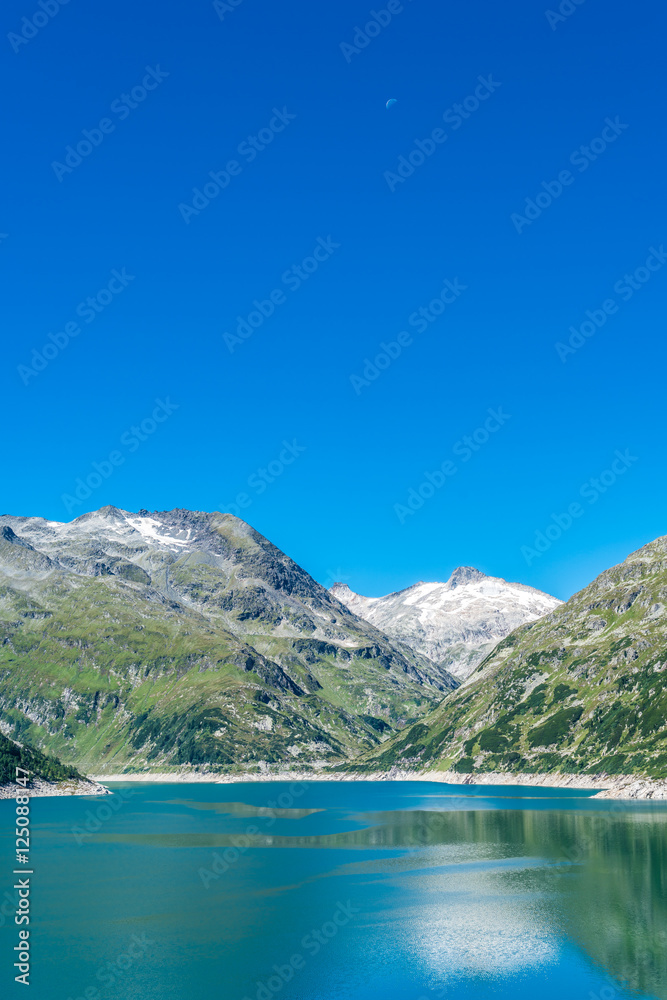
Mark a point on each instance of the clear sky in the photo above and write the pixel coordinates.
(248, 307)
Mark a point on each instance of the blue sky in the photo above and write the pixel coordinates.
(534, 199)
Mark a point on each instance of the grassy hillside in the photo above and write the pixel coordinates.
(583, 690)
(188, 639)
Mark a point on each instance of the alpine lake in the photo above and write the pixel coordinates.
(340, 891)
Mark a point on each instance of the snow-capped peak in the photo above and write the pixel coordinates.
(456, 623)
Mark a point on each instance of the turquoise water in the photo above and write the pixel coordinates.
(341, 890)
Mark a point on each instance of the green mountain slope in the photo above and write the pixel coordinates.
(39, 765)
(582, 690)
(187, 638)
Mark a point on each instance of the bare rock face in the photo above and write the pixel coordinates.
(457, 623)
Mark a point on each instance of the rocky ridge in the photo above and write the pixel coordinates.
(457, 623)
(582, 691)
(187, 638)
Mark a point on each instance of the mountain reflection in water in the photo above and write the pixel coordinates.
(464, 895)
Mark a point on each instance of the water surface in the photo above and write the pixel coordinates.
(343, 890)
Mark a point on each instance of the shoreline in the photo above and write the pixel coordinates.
(38, 788)
(624, 787)
(619, 787)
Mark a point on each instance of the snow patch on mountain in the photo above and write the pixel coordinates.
(456, 623)
(108, 523)
(155, 531)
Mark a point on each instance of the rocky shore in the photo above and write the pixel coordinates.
(38, 788)
(626, 787)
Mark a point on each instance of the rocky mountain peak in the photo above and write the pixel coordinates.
(454, 623)
(580, 692)
(8, 535)
(465, 574)
(218, 647)
(108, 513)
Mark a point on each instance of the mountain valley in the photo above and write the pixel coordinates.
(180, 640)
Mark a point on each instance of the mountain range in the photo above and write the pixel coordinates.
(581, 691)
(185, 637)
(181, 639)
(455, 624)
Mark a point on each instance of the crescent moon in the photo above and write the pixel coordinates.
(390, 103)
